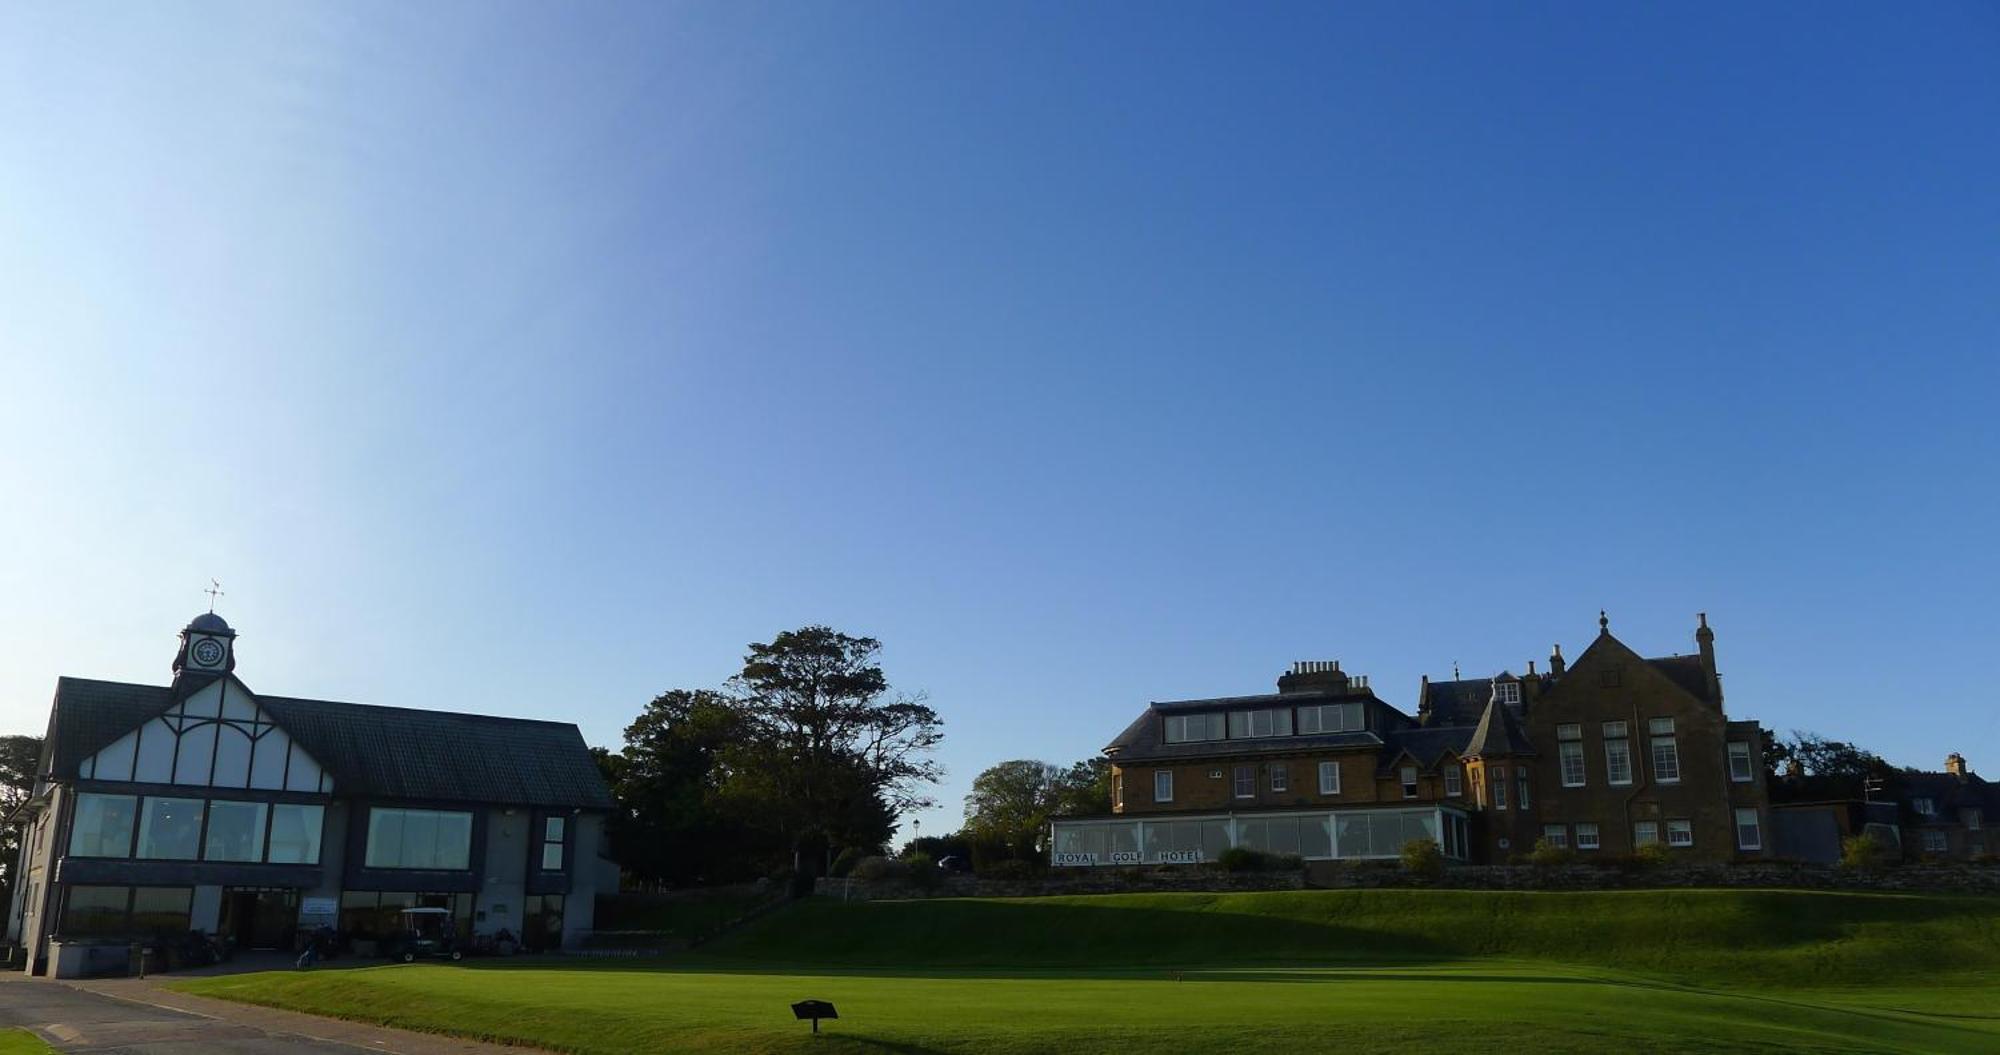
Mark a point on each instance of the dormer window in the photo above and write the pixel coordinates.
(1507, 692)
(1331, 718)
(1186, 728)
(1927, 807)
(1244, 725)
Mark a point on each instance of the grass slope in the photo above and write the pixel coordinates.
(22, 1042)
(1386, 971)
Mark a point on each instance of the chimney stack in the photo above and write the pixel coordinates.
(1705, 638)
(1556, 662)
(1954, 764)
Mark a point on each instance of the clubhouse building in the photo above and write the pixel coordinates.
(1611, 754)
(202, 805)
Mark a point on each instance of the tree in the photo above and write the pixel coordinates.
(672, 826)
(1807, 766)
(828, 753)
(1012, 802)
(20, 758)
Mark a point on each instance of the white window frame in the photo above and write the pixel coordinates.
(1666, 767)
(1570, 754)
(1163, 785)
(1454, 781)
(1181, 728)
(1329, 778)
(1274, 721)
(1739, 751)
(1756, 826)
(1281, 776)
(1509, 692)
(1645, 833)
(1245, 782)
(1589, 829)
(1935, 841)
(1408, 775)
(1556, 834)
(1118, 790)
(1925, 806)
(1498, 778)
(1973, 818)
(1348, 718)
(1615, 738)
(1680, 833)
(1521, 787)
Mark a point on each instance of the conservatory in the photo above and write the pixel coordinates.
(1317, 835)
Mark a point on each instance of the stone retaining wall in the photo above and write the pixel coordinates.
(1953, 879)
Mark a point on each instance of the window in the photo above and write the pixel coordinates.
(1586, 836)
(1556, 834)
(170, 829)
(1329, 778)
(294, 834)
(1500, 789)
(1246, 782)
(1924, 806)
(1569, 731)
(103, 825)
(235, 831)
(552, 844)
(432, 839)
(1571, 753)
(1163, 785)
(1331, 718)
(1739, 763)
(1934, 842)
(1454, 781)
(1508, 692)
(1749, 835)
(1973, 818)
(1521, 788)
(1183, 728)
(1251, 724)
(125, 912)
(1281, 776)
(1409, 775)
(1680, 833)
(1666, 753)
(1617, 754)
(1118, 791)
(1645, 833)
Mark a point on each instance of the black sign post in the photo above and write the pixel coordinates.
(815, 1010)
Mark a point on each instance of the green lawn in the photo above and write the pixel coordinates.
(22, 1042)
(1351, 971)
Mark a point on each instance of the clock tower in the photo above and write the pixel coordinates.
(208, 646)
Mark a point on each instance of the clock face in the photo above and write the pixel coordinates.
(208, 652)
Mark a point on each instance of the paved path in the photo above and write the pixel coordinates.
(130, 1016)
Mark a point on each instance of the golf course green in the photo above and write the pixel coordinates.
(1373, 971)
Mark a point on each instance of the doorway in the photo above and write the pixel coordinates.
(259, 917)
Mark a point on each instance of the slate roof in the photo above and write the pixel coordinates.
(1498, 733)
(1951, 793)
(1685, 671)
(1142, 740)
(386, 752)
(1427, 745)
(1455, 702)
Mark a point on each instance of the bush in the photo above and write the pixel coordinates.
(1011, 868)
(1651, 856)
(1865, 852)
(922, 872)
(878, 868)
(1244, 859)
(1548, 855)
(844, 864)
(1423, 858)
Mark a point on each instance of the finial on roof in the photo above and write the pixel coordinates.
(214, 591)
(1603, 622)
(1454, 670)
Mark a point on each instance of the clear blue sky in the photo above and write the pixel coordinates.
(534, 359)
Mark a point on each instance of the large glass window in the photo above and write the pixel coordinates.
(170, 829)
(1331, 718)
(1249, 724)
(432, 839)
(1666, 754)
(235, 831)
(161, 909)
(1183, 728)
(103, 825)
(295, 834)
(95, 912)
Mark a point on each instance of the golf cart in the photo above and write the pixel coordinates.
(426, 933)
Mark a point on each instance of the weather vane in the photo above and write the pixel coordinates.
(214, 591)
